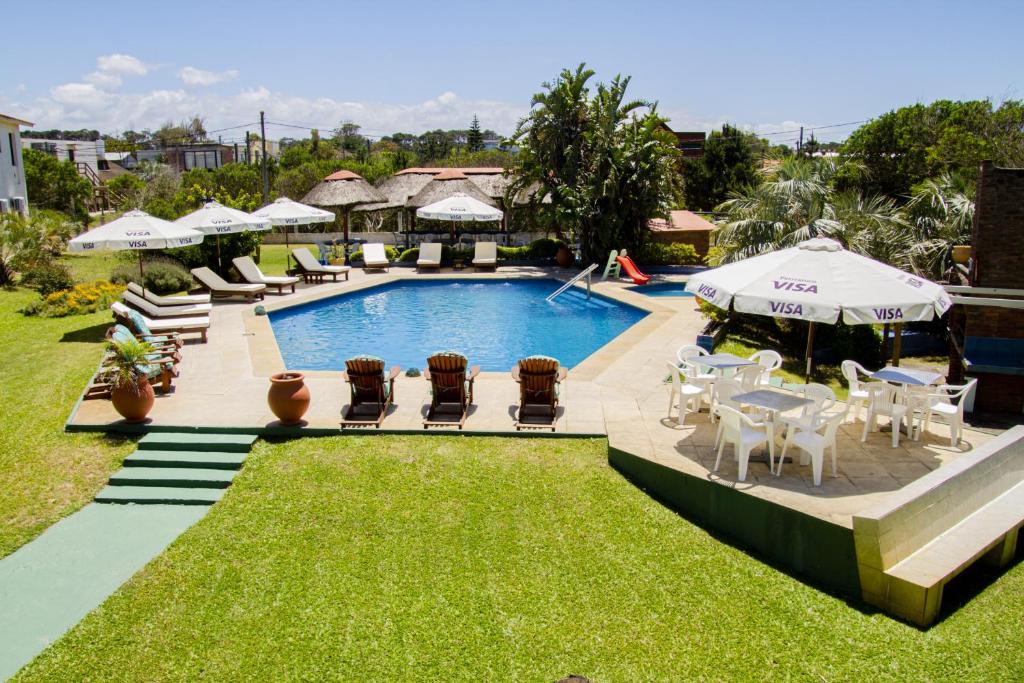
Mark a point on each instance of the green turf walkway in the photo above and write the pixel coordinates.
(49, 585)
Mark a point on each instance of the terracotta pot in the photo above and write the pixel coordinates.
(564, 257)
(961, 253)
(133, 402)
(288, 397)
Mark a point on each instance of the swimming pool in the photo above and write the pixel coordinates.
(493, 322)
(661, 289)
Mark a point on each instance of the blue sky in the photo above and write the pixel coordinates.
(415, 66)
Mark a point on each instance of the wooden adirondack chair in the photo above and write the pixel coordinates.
(539, 378)
(369, 387)
(449, 385)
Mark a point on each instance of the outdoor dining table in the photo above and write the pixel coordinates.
(774, 402)
(907, 376)
(722, 361)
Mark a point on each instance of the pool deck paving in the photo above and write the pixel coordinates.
(619, 392)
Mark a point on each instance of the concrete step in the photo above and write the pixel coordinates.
(218, 460)
(159, 495)
(175, 477)
(193, 441)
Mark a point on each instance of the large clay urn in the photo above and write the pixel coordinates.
(563, 257)
(133, 401)
(288, 397)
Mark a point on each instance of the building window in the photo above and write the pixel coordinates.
(14, 154)
(202, 159)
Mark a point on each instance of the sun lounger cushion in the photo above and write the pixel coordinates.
(430, 254)
(308, 263)
(216, 284)
(180, 300)
(252, 273)
(485, 254)
(141, 322)
(373, 254)
(154, 311)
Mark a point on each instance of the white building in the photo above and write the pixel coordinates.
(90, 153)
(13, 194)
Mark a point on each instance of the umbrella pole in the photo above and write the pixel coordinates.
(287, 252)
(220, 265)
(809, 355)
(142, 275)
(897, 343)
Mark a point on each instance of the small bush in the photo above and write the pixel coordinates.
(407, 256)
(390, 252)
(47, 278)
(163, 276)
(512, 253)
(657, 254)
(544, 248)
(80, 299)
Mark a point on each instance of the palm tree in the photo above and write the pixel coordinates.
(941, 212)
(798, 201)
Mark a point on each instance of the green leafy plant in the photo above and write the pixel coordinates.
(130, 361)
(29, 242)
(48, 277)
(80, 299)
(677, 254)
(162, 275)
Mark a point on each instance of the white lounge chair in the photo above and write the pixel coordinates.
(485, 255)
(374, 256)
(154, 311)
(314, 271)
(251, 273)
(430, 255)
(182, 300)
(221, 288)
(124, 314)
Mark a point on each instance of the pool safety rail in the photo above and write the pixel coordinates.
(583, 274)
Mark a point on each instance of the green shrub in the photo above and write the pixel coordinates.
(544, 248)
(407, 256)
(512, 253)
(163, 276)
(80, 299)
(47, 277)
(390, 252)
(658, 254)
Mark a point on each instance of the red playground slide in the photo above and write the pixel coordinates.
(632, 271)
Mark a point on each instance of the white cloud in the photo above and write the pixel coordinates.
(104, 79)
(76, 94)
(121, 64)
(198, 77)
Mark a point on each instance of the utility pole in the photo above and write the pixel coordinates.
(800, 143)
(263, 142)
(247, 159)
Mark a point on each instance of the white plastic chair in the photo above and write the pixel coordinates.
(682, 394)
(725, 389)
(858, 396)
(745, 435)
(749, 376)
(948, 401)
(824, 399)
(813, 441)
(883, 400)
(770, 361)
(696, 374)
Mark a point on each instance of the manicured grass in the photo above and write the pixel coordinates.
(45, 473)
(792, 370)
(273, 256)
(486, 559)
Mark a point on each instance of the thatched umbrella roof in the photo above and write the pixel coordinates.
(398, 188)
(344, 189)
(445, 184)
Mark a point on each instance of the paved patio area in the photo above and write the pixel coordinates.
(619, 391)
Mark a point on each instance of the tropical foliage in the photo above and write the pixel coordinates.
(29, 242)
(78, 300)
(54, 184)
(728, 164)
(604, 165)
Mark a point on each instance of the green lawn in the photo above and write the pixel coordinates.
(488, 559)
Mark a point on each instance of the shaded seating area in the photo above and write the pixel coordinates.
(219, 288)
(252, 274)
(314, 271)
(451, 389)
(539, 379)
(371, 392)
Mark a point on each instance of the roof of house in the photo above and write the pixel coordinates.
(681, 221)
(6, 118)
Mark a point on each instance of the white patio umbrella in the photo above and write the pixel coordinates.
(459, 208)
(817, 281)
(213, 218)
(287, 212)
(135, 230)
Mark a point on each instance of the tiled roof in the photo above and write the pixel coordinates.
(683, 221)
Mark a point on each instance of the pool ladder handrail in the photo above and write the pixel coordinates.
(585, 273)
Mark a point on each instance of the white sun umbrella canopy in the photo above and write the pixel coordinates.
(138, 231)
(459, 207)
(289, 213)
(818, 281)
(213, 218)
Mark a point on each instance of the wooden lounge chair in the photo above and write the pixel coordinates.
(370, 388)
(314, 271)
(144, 325)
(485, 255)
(219, 288)
(449, 386)
(154, 311)
(181, 300)
(252, 274)
(374, 257)
(164, 344)
(430, 256)
(539, 378)
(165, 350)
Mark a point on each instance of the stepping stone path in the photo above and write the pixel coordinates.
(167, 485)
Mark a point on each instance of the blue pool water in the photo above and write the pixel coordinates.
(661, 289)
(494, 323)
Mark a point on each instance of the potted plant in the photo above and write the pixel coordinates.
(288, 397)
(337, 254)
(131, 392)
(563, 257)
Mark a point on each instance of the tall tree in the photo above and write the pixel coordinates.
(727, 165)
(474, 137)
(54, 184)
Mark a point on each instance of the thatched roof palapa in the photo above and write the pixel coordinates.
(397, 190)
(343, 188)
(447, 183)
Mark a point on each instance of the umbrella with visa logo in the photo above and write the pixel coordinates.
(213, 218)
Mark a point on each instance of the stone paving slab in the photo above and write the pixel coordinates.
(50, 584)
